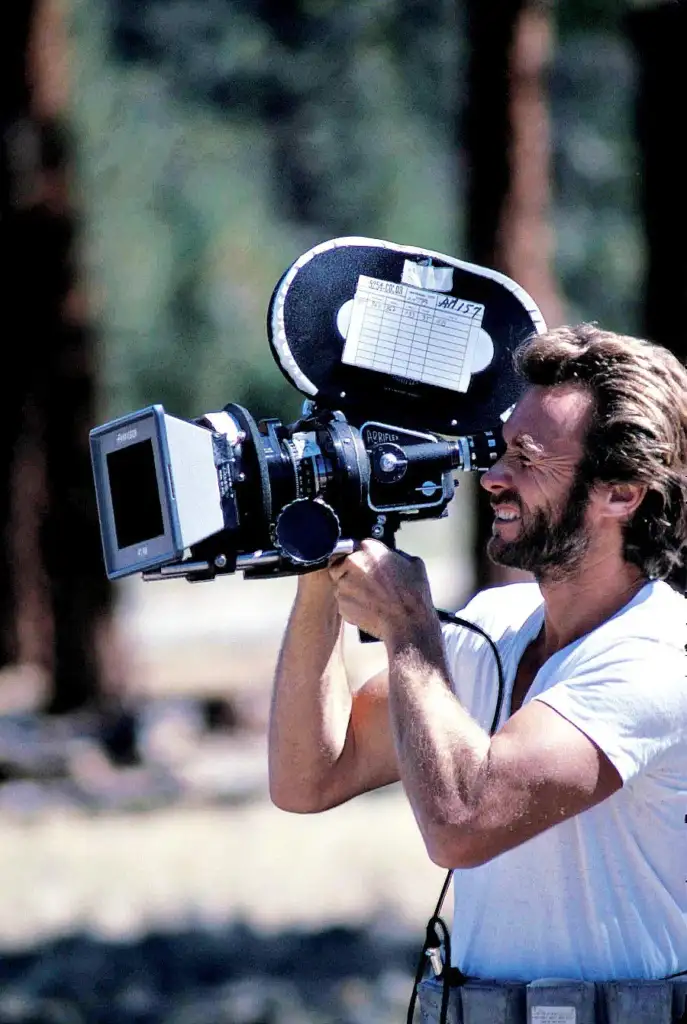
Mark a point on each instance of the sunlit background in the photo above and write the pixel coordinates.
(164, 162)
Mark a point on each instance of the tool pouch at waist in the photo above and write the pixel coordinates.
(562, 1002)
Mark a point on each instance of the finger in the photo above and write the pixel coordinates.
(340, 558)
(337, 568)
(372, 545)
(408, 558)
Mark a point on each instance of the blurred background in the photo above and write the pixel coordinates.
(162, 162)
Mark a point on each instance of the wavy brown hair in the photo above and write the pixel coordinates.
(637, 433)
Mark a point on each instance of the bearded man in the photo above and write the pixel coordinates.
(565, 827)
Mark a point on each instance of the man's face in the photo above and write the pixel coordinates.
(539, 499)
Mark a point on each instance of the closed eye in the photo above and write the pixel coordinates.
(519, 456)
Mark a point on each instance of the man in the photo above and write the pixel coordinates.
(567, 828)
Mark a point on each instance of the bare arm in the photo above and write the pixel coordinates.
(326, 744)
(473, 796)
(476, 797)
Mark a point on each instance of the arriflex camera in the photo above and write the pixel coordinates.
(404, 357)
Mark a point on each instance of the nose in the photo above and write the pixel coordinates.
(497, 478)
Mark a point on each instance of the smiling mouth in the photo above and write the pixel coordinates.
(506, 516)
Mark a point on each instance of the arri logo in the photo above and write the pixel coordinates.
(126, 435)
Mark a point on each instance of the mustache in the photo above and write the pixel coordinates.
(506, 498)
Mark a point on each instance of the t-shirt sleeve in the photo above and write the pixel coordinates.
(500, 612)
(470, 661)
(629, 699)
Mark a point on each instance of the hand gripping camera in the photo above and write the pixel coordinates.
(404, 357)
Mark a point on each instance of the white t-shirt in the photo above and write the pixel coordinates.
(604, 894)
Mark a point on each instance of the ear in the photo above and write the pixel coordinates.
(621, 500)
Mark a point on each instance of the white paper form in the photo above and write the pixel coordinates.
(415, 333)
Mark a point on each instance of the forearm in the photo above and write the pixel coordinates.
(311, 700)
(443, 753)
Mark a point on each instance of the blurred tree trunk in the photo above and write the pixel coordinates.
(296, 180)
(659, 36)
(55, 597)
(504, 133)
(13, 100)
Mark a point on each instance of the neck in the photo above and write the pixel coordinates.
(577, 605)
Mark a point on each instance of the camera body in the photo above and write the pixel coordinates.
(404, 358)
(224, 492)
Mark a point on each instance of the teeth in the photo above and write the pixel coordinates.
(507, 517)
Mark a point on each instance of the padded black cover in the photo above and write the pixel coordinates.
(307, 345)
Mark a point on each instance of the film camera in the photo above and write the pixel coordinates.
(404, 358)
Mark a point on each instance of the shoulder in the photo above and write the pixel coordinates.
(652, 626)
(645, 642)
(657, 613)
(625, 684)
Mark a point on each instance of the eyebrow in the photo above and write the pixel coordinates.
(527, 444)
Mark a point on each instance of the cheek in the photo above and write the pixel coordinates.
(557, 482)
(534, 490)
(542, 494)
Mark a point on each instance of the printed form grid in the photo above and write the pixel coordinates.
(403, 330)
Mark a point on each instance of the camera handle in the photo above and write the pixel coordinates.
(384, 528)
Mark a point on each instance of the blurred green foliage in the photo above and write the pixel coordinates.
(217, 141)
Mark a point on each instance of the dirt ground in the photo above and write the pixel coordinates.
(222, 852)
(120, 876)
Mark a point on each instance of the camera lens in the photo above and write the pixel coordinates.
(307, 531)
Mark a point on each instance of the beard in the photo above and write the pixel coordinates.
(551, 546)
